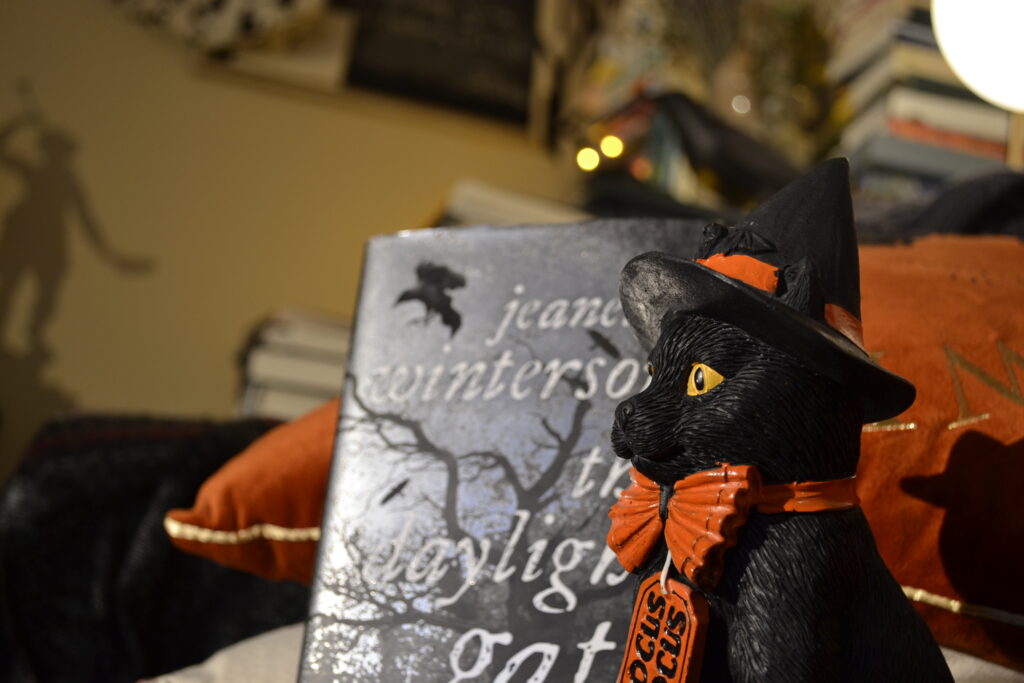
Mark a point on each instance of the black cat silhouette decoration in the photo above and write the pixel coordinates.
(742, 519)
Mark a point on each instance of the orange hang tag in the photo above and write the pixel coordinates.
(666, 634)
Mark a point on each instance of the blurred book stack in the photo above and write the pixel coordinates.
(474, 202)
(294, 361)
(908, 121)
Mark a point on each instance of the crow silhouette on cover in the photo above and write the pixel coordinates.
(742, 506)
(604, 343)
(434, 282)
(394, 491)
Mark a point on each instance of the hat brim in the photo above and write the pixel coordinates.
(655, 284)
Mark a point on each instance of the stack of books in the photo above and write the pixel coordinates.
(904, 113)
(294, 361)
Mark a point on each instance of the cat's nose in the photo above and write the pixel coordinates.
(624, 412)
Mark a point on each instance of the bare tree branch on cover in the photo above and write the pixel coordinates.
(387, 608)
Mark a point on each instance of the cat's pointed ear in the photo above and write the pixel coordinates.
(713, 234)
(719, 239)
(800, 287)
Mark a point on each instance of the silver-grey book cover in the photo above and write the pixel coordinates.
(464, 531)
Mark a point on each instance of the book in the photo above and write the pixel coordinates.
(474, 202)
(862, 132)
(893, 153)
(274, 366)
(901, 62)
(294, 361)
(465, 523)
(281, 403)
(862, 31)
(977, 119)
(915, 130)
(869, 29)
(929, 130)
(318, 60)
(309, 331)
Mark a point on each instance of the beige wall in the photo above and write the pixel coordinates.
(248, 197)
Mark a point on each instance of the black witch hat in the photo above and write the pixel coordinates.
(788, 275)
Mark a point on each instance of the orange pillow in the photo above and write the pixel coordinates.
(941, 485)
(261, 511)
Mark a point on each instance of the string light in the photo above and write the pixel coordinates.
(588, 158)
(611, 146)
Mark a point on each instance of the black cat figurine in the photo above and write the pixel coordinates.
(744, 447)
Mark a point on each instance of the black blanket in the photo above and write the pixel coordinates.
(91, 589)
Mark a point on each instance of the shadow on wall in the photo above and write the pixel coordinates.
(34, 252)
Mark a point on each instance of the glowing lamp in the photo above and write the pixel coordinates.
(981, 40)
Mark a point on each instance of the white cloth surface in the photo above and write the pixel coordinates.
(273, 657)
(968, 669)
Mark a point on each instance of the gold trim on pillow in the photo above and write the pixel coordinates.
(958, 607)
(271, 532)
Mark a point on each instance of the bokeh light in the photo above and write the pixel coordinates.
(611, 146)
(588, 158)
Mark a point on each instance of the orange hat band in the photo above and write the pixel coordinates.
(844, 322)
(764, 276)
(745, 269)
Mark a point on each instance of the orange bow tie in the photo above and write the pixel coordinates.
(705, 513)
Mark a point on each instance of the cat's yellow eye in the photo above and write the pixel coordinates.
(650, 369)
(703, 378)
